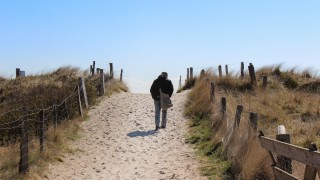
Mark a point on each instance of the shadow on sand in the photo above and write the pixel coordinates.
(141, 133)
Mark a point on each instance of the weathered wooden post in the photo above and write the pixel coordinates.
(121, 74)
(283, 162)
(79, 102)
(91, 70)
(311, 172)
(227, 70)
(223, 109)
(102, 86)
(220, 70)
(252, 75)
(253, 121)
(111, 71)
(212, 91)
(24, 144)
(264, 82)
(180, 83)
(83, 91)
(93, 67)
(242, 70)
(202, 73)
(66, 107)
(191, 73)
(238, 117)
(187, 74)
(55, 116)
(98, 71)
(41, 130)
(17, 72)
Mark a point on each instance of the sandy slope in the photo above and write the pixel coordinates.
(120, 143)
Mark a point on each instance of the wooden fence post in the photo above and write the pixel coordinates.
(310, 172)
(254, 121)
(111, 71)
(90, 69)
(93, 67)
(202, 73)
(284, 163)
(238, 117)
(79, 102)
(242, 70)
(227, 70)
(220, 71)
(223, 107)
(66, 107)
(264, 82)
(24, 150)
(17, 72)
(41, 130)
(180, 83)
(252, 75)
(187, 74)
(121, 74)
(55, 116)
(102, 86)
(212, 91)
(191, 73)
(83, 91)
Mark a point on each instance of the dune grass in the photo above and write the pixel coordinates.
(291, 99)
(42, 91)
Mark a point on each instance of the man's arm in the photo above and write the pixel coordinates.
(171, 89)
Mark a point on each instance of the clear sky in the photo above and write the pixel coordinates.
(145, 37)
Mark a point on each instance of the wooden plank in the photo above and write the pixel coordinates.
(293, 152)
(191, 73)
(283, 162)
(279, 174)
(220, 71)
(311, 172)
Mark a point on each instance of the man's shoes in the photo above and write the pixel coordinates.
(163, 127)
(157, 128)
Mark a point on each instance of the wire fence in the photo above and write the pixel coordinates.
(22, 133)
(288, 161)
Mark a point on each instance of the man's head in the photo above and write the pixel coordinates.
(164, 74)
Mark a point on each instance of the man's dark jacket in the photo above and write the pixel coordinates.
(161, 83)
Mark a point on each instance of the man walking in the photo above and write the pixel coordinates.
(163, 83)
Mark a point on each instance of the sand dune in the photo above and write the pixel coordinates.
(120, 143)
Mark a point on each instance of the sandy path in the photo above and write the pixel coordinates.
(120, 143)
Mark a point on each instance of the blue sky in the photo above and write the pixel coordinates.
(147, 37)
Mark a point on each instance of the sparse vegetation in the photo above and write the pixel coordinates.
(291, 99)
(39, 92)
